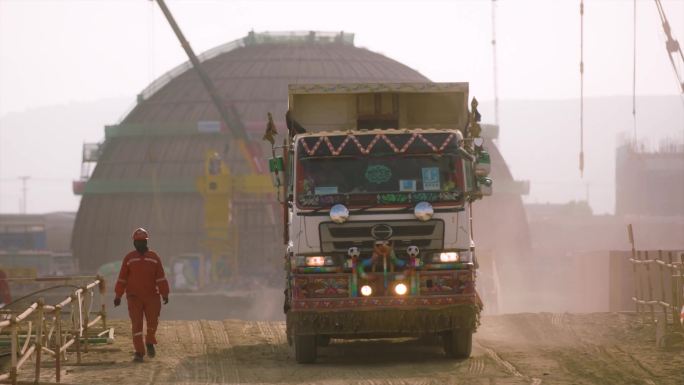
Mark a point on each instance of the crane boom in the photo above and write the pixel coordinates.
(674, 50)
(229, 114)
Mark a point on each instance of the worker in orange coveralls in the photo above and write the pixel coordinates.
(142, 278)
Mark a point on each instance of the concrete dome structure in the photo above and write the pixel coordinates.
(147, 165)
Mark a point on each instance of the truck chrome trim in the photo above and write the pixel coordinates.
(338, 238)
(339, 213)
(424, 211)
(381, 231)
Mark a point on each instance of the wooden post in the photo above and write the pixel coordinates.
(661, 330)
(14, 350)
(639, 286)
(663, 298)
(650, 286)
(673, 288)
(103, 301)
(634, 269)
(679, 288)
(76, 324)
(87, 300)
(58, 356)
(38, 343)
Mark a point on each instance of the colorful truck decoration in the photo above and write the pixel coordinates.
(377, 183)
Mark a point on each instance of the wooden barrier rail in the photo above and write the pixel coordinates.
(664, 310)
(50, 335)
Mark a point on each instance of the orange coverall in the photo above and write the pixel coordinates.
(142, 278)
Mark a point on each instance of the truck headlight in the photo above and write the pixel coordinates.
(447, 257)
(423, 211)
(315, 261)
(366, 290)
(339, 213)
(400, 289)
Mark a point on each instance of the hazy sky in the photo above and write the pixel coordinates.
(61, 51)
(57, 51)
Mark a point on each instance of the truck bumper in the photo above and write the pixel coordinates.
(406, 319)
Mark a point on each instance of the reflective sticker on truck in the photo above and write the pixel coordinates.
(430, 178)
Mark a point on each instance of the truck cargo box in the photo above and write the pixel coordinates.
(332, 107)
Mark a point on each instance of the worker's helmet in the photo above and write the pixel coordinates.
(140, 234)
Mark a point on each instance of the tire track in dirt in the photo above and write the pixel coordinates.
(222, 349)
(609, 355)
(194, 330)
(607, 362)
(207, 356)
(476, 366)
(509, 367)
(568, 348)
(272, 332)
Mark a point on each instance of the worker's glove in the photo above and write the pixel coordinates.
(117, 301)
(166, 300)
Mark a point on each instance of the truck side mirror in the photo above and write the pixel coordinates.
(484, 185)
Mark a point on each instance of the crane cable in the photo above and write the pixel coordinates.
(634, 73)
(581, 154)
(494, 68)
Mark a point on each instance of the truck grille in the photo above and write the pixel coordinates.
(398, 231)
(338, 238)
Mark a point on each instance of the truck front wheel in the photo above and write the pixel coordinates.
(305, 348)
(458, 343)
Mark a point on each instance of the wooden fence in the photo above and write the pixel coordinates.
(43, 329)
(658, 287)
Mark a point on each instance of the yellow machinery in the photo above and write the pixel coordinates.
(217, 186)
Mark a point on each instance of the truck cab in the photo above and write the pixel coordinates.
(377, 181)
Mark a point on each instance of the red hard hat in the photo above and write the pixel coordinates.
(140, 235)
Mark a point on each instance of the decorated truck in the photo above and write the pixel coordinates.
(377, 183)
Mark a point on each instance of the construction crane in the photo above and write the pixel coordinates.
(674, 50)
(217, 184)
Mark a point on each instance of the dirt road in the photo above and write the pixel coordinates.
(509, 349)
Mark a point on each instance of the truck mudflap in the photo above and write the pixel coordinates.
(385, 321)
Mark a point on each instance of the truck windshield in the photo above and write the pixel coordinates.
(379, 169)
(379, 178)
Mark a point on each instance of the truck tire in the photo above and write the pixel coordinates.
(458, 343)
(305, 348)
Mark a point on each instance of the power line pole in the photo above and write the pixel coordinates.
(24, 189)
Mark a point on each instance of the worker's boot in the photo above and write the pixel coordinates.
(151, 352)
(138, 357)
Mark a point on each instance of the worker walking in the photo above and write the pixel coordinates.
(142, 279)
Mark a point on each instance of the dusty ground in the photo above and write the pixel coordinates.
(540, 348)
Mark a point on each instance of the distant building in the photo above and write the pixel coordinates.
(38, 232)
(650, 183)
(37, 244)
